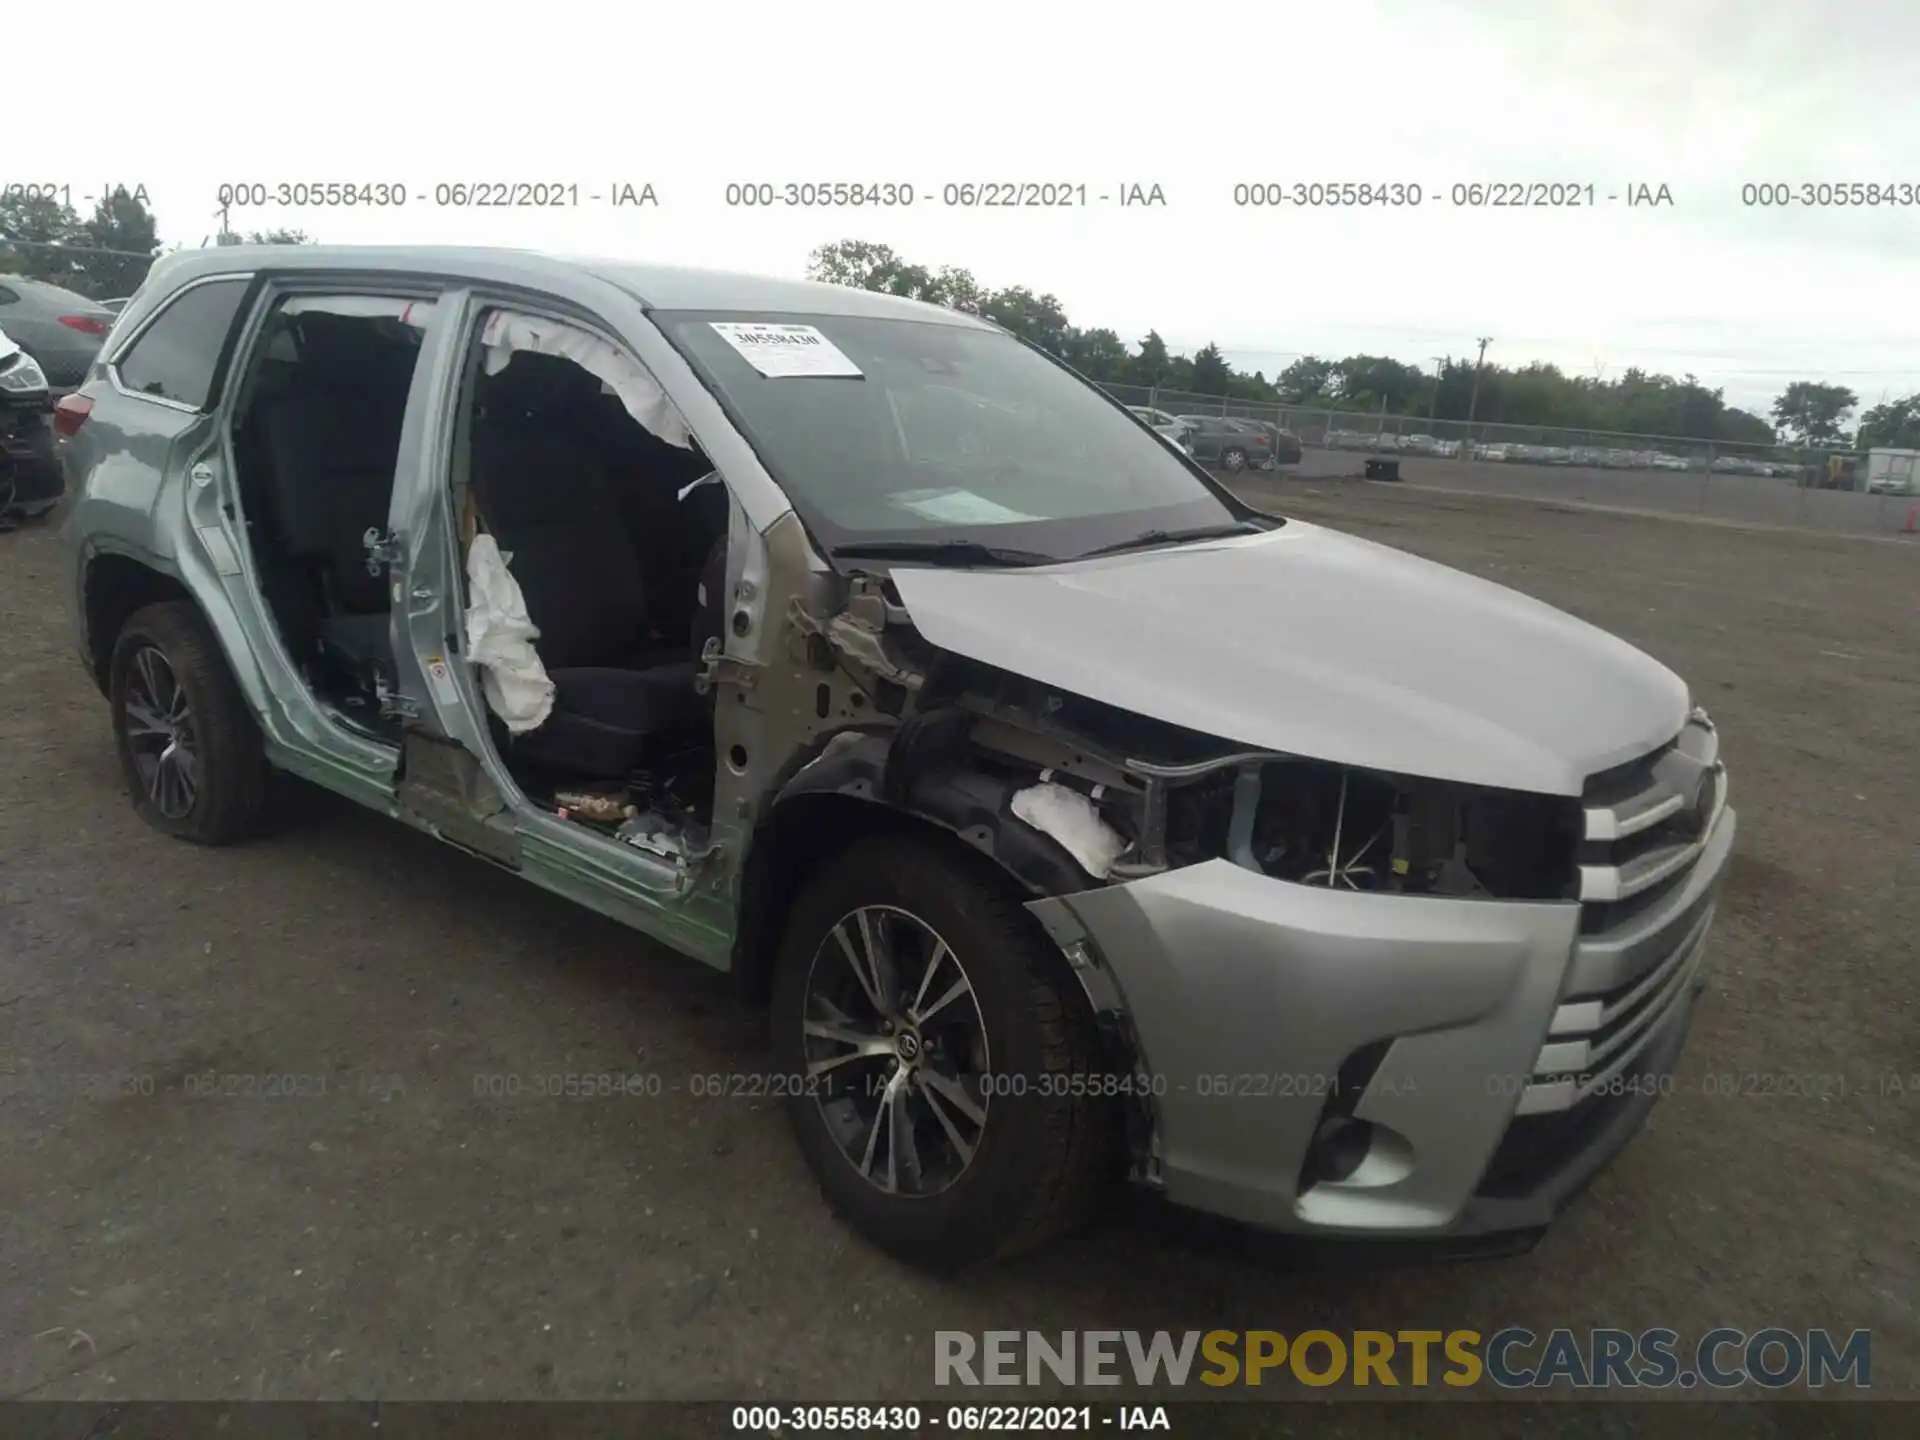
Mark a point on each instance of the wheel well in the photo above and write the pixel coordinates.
(116, 587)
(803, 832)
(789, 846)
(807, 830)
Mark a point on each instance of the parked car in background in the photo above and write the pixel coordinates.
(1170, 428)
(1893, 472)
(30, 480)
(58, 328)
(1286, 444)
(1228, 444)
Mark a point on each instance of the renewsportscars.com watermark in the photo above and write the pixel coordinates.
(1511, 1359)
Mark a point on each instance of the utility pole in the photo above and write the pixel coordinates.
(1473, 401)
(1439, 372)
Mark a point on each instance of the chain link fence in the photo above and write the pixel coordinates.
(1379, 433)
(1817, 488)
(94, 271)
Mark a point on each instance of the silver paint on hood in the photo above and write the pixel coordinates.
(1317, 643)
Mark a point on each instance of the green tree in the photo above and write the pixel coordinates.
(267, 237)
(857, 264)
(1153, 364)
(1813, 413)
(1100, 355)
(1894, 424)
(1037, 319)
(1255, 388)
(1745, 427)
(867, 265)
(956, 289)
(124, 238)
(1366, 380)
(42, 226)
(1308, 378)
(1211, 373)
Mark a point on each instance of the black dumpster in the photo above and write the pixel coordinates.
(1383, 469)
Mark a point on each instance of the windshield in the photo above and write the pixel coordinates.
(910, 431)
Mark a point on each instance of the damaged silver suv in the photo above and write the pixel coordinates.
(1073, 819)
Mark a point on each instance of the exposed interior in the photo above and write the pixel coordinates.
(615, 537)
(620, 555)
(316, 441)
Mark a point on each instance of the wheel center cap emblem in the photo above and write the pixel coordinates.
(907, 1046)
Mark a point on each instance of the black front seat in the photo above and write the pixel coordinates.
(544, 494)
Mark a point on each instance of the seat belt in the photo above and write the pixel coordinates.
(470, 521)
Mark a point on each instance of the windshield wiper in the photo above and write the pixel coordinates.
(1176, 537)
(940, 552)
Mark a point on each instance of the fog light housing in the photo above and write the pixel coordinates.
(1338, 1149)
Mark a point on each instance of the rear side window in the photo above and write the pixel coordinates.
(176, 356)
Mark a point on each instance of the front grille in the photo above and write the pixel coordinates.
(1651, 861)
(1538, 1147)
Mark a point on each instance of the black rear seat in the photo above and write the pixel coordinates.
(544, 494)
(332, 440)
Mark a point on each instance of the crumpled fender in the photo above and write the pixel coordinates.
(891, 769)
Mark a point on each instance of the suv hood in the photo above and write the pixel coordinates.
(1321, 644)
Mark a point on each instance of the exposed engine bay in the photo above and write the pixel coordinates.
(1169, 797)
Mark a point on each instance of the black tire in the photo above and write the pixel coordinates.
(230, 768)
(1233, 460)
(1045, 1154)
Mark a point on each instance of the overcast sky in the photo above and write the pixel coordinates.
(1701, 97)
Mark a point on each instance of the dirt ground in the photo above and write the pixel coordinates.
(400, 1236)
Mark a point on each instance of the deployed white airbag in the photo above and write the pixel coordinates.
(507, 331)
(1072, 819)
(500, 637)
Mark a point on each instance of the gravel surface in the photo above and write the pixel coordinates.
(401, 1236)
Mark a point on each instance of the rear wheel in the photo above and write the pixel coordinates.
(188, 745)
(942, 1063)
(1233, 460)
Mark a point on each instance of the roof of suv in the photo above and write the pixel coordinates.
(656, 287)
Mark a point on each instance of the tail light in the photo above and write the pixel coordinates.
(85, 324)
(70, 414)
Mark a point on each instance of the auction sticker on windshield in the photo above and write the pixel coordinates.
(780, 350)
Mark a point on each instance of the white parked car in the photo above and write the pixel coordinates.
(1170, 428)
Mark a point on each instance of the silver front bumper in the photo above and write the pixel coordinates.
(1248, 997)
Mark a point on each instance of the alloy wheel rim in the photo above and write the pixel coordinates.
(160, 734)
(896, 1051)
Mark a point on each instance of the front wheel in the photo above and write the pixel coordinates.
(189, 747)
(1233, 460)
(944, 1074)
